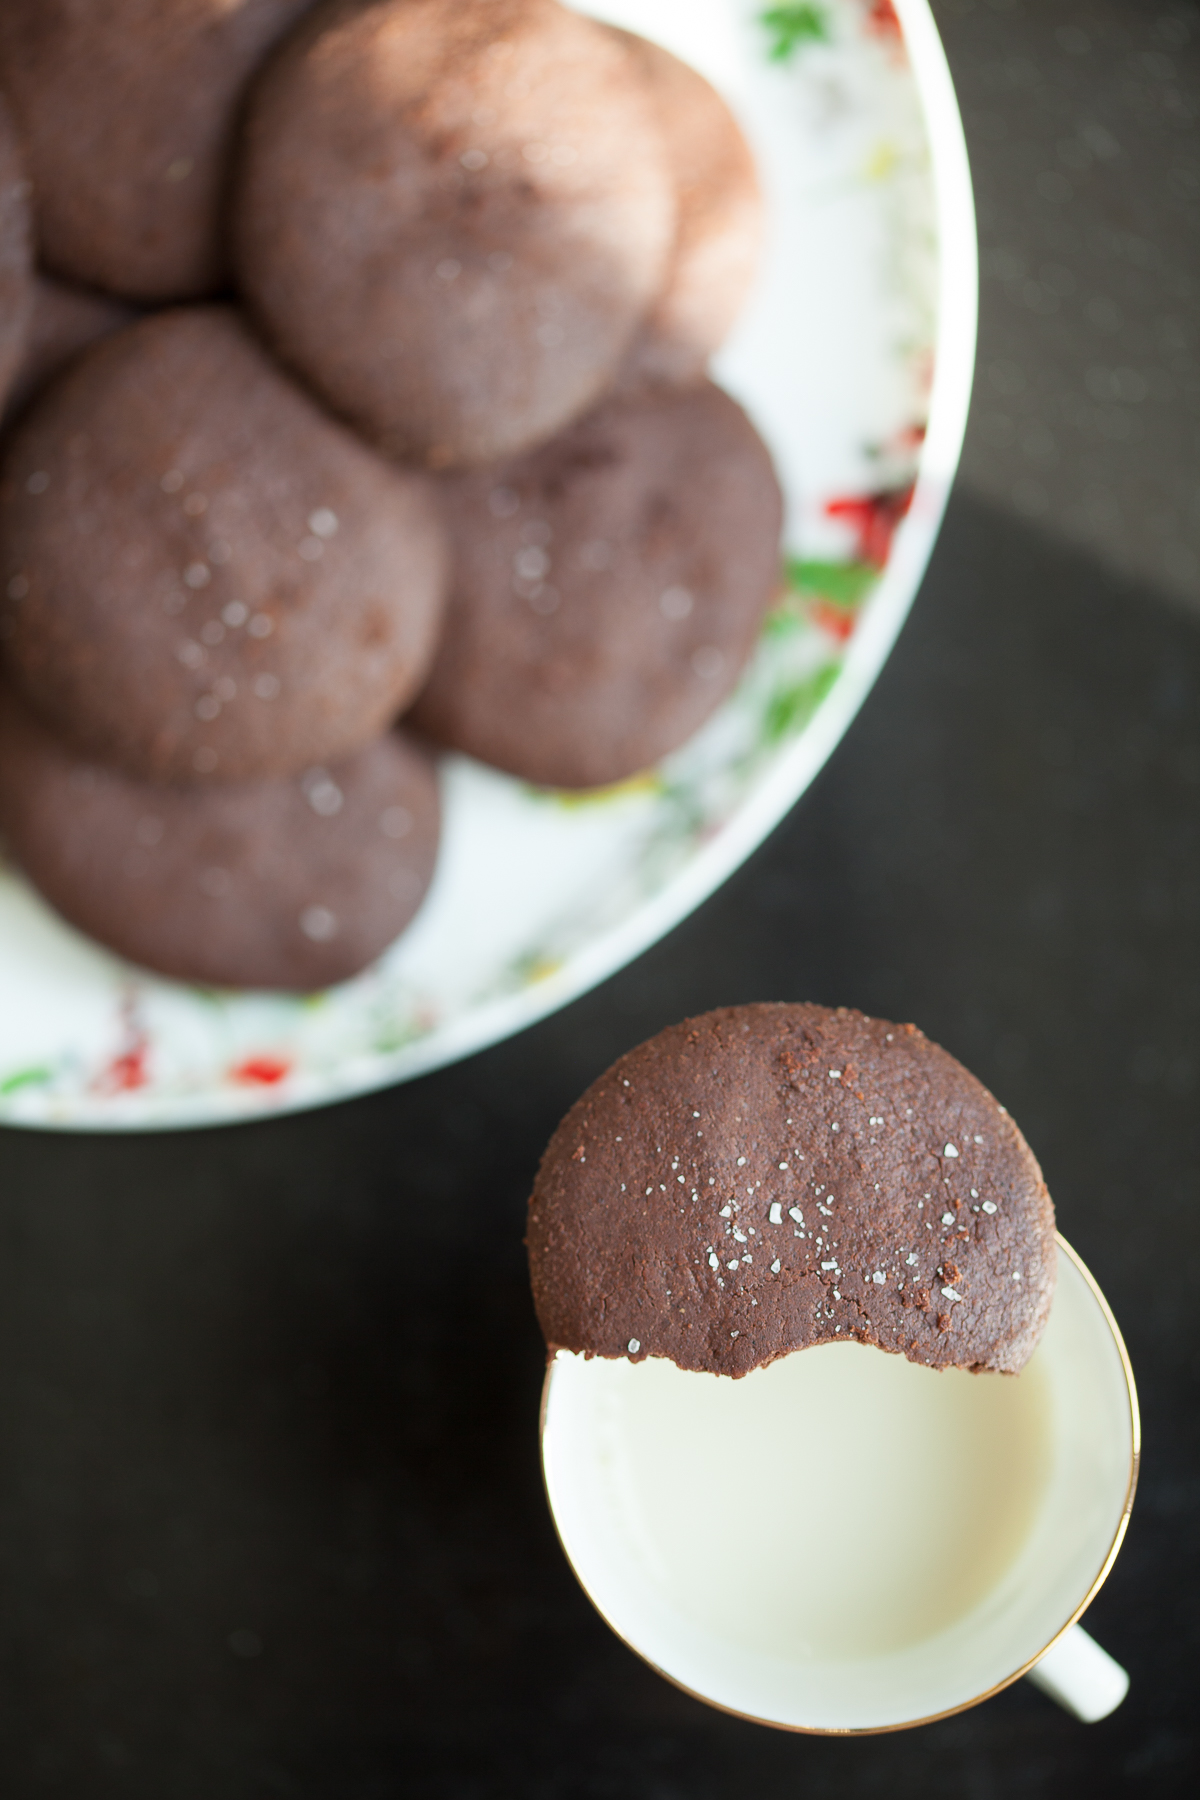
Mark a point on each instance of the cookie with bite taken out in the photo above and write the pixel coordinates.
(763, 1178)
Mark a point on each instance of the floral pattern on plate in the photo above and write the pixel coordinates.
(854, 358)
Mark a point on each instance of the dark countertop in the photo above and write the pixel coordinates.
(270, 1510)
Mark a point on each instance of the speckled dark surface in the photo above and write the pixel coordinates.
(591, 686)
(722, 1196)
(271, 1521)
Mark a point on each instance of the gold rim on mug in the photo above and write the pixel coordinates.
(1135, 1433)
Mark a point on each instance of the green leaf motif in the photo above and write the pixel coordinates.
(25, 1078)
(793, 706)
(844, 584)
(782, 624)
(791, 26)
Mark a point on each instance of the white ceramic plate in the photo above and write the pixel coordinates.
(855, 359)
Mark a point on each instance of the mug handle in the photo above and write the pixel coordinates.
(1081, 1676)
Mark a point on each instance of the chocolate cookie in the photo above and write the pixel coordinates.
(764, 1178)
(720, 228)
(15, 273)
(607, 589)
(452, 218)
(128, 111)
(202, 575)
(294, 883)
(64, 319)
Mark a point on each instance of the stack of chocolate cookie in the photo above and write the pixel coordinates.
(362, 380)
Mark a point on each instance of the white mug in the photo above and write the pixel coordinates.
(1024, 1624)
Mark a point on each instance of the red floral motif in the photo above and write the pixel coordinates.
(873, 518)
(129, 1067)
(261, 1071)
(908, 439)
(125, 1072)
(836, 620)
(882, 20)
